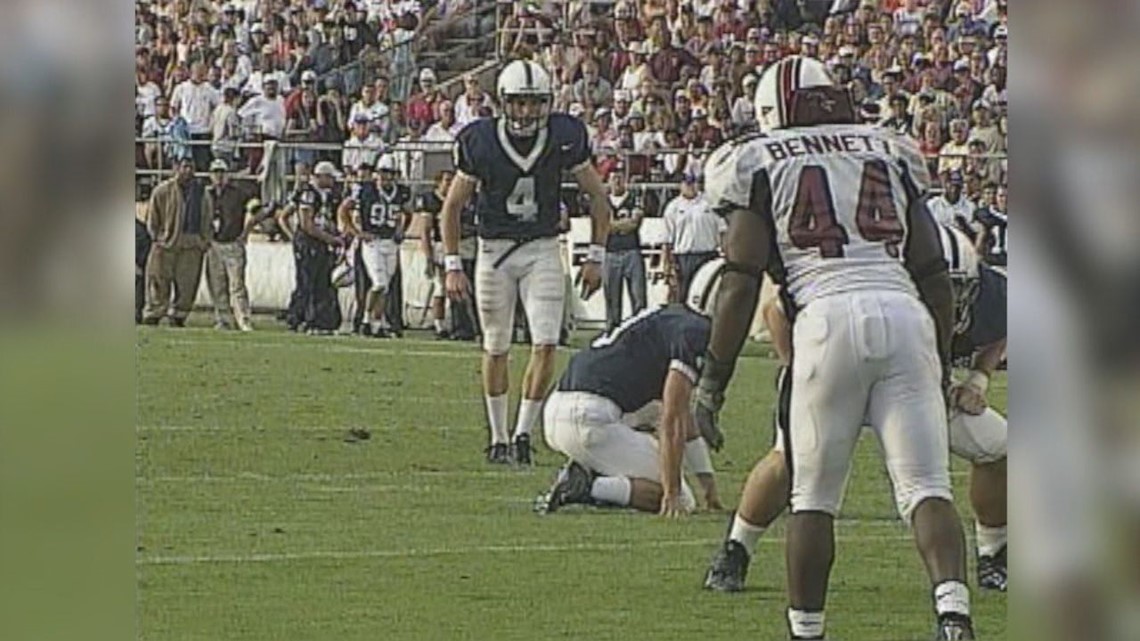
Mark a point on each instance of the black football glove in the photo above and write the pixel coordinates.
(707, 403)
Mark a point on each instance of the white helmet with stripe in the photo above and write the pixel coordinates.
(962, 263)
(704, 287)
(773, 101)
(526, 94)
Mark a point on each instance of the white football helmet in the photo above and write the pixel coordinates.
(526, 94)
(962, 262)
(704, 287)
(773, 100)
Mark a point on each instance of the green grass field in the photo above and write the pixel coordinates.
(259, 520)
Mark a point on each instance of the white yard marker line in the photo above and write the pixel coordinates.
(246, 477)
(396, 347)
(334, 555)
(255, 429)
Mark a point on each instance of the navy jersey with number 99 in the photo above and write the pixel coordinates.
(519, 187)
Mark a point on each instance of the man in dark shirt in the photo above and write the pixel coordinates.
(624, 266)
(142, 250)
(654, 356)
(225, 262)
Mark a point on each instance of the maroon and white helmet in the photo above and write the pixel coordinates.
(779, 81)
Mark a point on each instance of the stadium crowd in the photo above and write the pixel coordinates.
(660, 84)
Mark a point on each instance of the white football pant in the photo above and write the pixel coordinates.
(532, 272)
(380, 258)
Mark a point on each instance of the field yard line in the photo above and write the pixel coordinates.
(326, 478)
(246, 429)
(395, 346)
(334, 555)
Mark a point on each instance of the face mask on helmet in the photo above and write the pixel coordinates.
(704, 288)
(526, 114)
(962, 265)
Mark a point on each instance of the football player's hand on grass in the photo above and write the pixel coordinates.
(672, 507)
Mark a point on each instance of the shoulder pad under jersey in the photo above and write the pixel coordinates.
(906, 148)
(729, 172)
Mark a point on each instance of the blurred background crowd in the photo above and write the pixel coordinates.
(659, 83)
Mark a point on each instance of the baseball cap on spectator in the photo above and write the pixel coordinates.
(680, 94)
(748, 80)
(954, 177)
(257, 27)
(699, 112)
(870, 111)
(308, 75)
(576, 109)
(981, 103)
(809, 39)
(386, 163)
(1001, 31)
(604, 112)
(635, 113)
(427, 75)
(361, 118)
(219, 164)
(919, 58)
(325, 168)
(894, 70)
(961, 64)
(846, 50)
(621, 95)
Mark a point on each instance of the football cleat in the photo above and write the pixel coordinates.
(572, 485)
(498, 454)
(729, 568)
(955, 627)
(993, 571)
(520, 450)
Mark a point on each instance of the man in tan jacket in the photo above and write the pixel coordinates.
(179, 224)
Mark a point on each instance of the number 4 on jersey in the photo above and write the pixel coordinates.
(521, 202)
(813, 222)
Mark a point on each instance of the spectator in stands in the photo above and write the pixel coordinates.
(445, 128)
(951, 207)
(470, 101)
(952, 155)
(194, 100)
(332, 126)
(624, 265)
(225, 127)
(267, 68)
(363, 146)
(370, 106)
(303, 127)
(178, 221)
(422, 105)
(172, 131)
(592, 91)
(293, 100)
(266, 112)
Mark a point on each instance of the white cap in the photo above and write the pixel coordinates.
(427, 74)
(699, 112)
(386, 163)
(325, 168)
(961, 64)
(576, 109)
(622, 95)
(219, 164)
(257, 27)
(847, 50)
(308, 75)
(1001, 31)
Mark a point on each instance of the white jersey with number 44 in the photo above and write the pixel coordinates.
(838, 196)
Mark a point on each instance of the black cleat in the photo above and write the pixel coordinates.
(442, 335)
(499, 454)
(955, 627)
(993, 571)
(520, 450)
(729, 568)
(572, 485)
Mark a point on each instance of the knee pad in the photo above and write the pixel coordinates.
(907, 499)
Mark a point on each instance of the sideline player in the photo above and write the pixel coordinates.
(654, 356)
(834, 212)
(517, 161)
(977, 432)
(378, 222)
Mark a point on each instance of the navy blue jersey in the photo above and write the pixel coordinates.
(431, 204)
(996, 230)
(323, 202)
(629, 365)
(987, 314)
(381, 208)
(519, 186)
(625, 206)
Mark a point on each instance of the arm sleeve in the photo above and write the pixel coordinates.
(578, 152)
(684, 354)
(464, 157)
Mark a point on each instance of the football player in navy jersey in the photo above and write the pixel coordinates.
(654, 356)
(993, 242)
(516, 161)
(977, 432)
(377, 221)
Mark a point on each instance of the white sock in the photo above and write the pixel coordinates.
(952, 597)
(745, 533)
(528, 413)
(612, 489)
(805, 625)
(497, 416)
(438, 323)
(990, 539)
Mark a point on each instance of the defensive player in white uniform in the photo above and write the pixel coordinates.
(516, 161)
(977, 432)
(835, 213)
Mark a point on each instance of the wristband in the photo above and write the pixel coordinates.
(978, 380)
(453, 263)
(596, 254)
